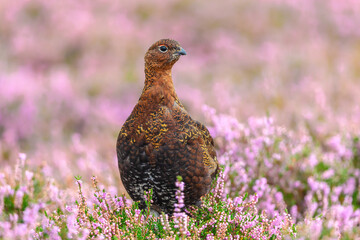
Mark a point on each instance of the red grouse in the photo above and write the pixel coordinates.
(160, 141)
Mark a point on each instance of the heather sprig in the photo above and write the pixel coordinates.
(25, 198)
(318, 182)
(219, 216)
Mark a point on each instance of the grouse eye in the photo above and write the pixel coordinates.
(163, 48)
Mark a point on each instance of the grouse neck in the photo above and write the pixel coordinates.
(159, 78)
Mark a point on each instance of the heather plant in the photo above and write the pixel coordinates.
(219, 217)
(317, 181)
(25, 197)
(32, 206)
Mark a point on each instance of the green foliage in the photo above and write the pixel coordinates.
(9, 206)
(25, 202)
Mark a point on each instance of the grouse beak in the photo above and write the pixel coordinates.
(181, 51)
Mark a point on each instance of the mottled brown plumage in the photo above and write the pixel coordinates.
(160, 141)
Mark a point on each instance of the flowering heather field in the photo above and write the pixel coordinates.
(277, 82)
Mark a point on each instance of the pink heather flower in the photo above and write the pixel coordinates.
(72, 225)
(277, 223)
(22, 157)
(335, 143)
(294, 212)
(2, 178)
(237, 201)
(29, 175)
(14, 218)
(6, 190)
(347, 200)
(297, 184)
(261, 187)
(54, 192)
(69, 208)
(312, 160)
(325, 189)
(165, 222)
(103, 195)
(349, 186)
(128, 202)
(328, 173)
(314, 185)
(254, 198)
(20, 230)
(5, 227)
(219, 188)
(250, 155)
(276, 156)
(31, 214)
(119, 202)
(180, 218)
(103, 221)
(54, 232)
(335, 194)
(279, 197)
(311, 208)
(18, 198)
(210, 236)
(137, 213)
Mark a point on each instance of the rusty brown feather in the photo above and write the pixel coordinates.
(160, 141)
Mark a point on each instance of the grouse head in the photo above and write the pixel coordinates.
(163, 54)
